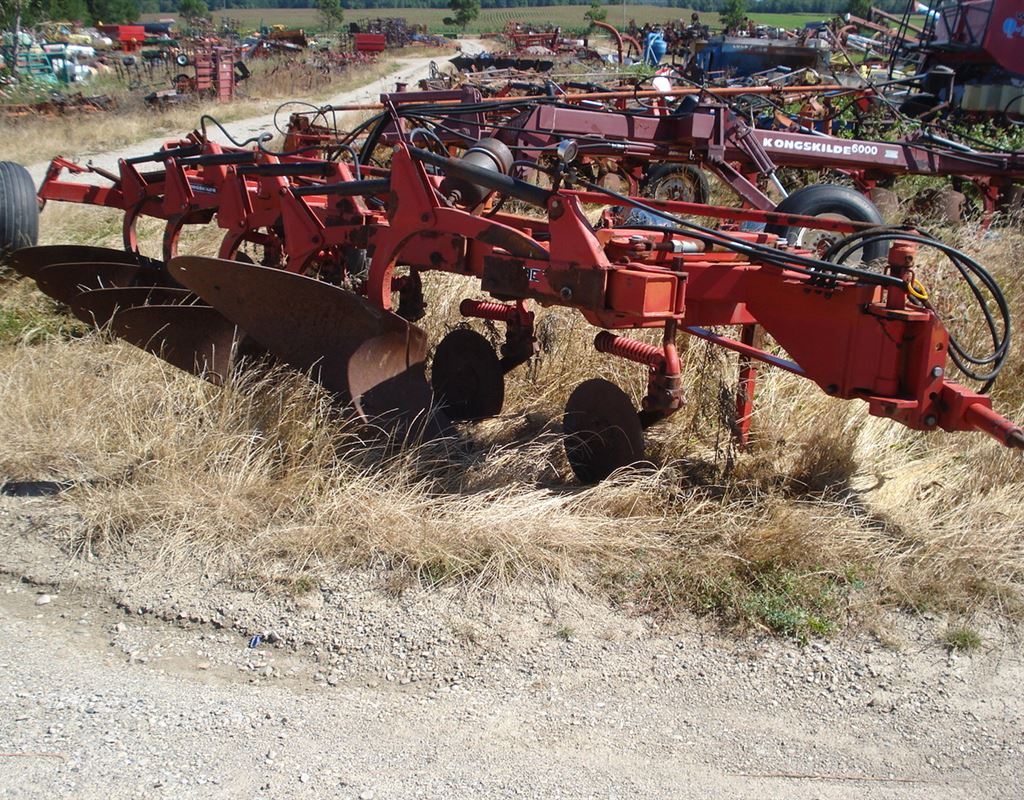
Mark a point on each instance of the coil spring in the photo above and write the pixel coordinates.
(497, 312)
(631, 349)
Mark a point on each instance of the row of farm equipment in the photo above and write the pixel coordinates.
(594, 201)
(204, 61)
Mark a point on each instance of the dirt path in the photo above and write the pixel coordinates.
(408, 70)
(123, 682)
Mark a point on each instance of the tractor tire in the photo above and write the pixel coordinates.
(835, 202)
(19, 209)
(681, 182)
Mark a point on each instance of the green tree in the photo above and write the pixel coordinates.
(859, 8)
(463, 12)
(114, 11)
(69, 10)
(733, 13)
(331, 13)
(16, 14)
(193, 9)
(596, 12)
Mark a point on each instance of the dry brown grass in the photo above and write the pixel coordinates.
(29, 140)
(829, 514)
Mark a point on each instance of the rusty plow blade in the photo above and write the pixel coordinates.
(30, 260)
(193, 338)
(367, 356)
(67, 282)
(98, 306)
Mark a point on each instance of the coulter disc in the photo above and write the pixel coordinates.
(467, 376)
(602, 430)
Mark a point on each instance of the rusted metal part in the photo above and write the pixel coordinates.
(369, 357)
(467, 377)
(65, 282)
(193, 338)
(29, 261)
(98, 306)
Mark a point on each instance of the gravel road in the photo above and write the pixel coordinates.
(124, 682)
(409, 70)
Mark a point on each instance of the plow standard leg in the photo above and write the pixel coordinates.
(746, 386)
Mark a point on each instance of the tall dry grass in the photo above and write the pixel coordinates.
(829, 515)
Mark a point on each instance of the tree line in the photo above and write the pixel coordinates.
(114, 11)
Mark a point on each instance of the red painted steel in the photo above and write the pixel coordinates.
(852, 337)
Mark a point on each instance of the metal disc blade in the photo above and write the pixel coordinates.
(30, 260)
(197, 339)
(64, 282)
(602, 430)
(467, 376)
(98, 306)
(360, 352)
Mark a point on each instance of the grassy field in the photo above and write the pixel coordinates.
(494, 19)
(830, 517)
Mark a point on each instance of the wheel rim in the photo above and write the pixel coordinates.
(678, 187)
(819, 241)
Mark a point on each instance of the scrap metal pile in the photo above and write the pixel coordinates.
(327, 245)
(529, 48)
(955, 59)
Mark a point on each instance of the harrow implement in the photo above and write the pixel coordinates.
(335, 286)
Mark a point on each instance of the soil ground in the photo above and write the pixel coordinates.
(124, 681)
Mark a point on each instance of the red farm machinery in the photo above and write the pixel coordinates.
(326, 246)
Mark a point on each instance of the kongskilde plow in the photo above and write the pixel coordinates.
(322, 264)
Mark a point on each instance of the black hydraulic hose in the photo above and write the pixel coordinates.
(163, 155)
(969, 269)
(311, 169)
(815, 266)
(371, 141)
(218, 159)
(346, 188)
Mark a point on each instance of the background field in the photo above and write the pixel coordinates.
(493, 19)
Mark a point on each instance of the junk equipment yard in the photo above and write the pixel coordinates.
(515, 371)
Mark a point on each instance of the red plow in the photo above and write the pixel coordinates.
(322, 264)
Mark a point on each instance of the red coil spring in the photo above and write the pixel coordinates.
(631, 349)
(498, 312)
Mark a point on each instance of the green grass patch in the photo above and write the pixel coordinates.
(27, 316)
(962, 638)
(770, 596)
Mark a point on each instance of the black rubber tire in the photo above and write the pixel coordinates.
(19, 209)
(917, 105)
(699, 189)
(826, 198)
